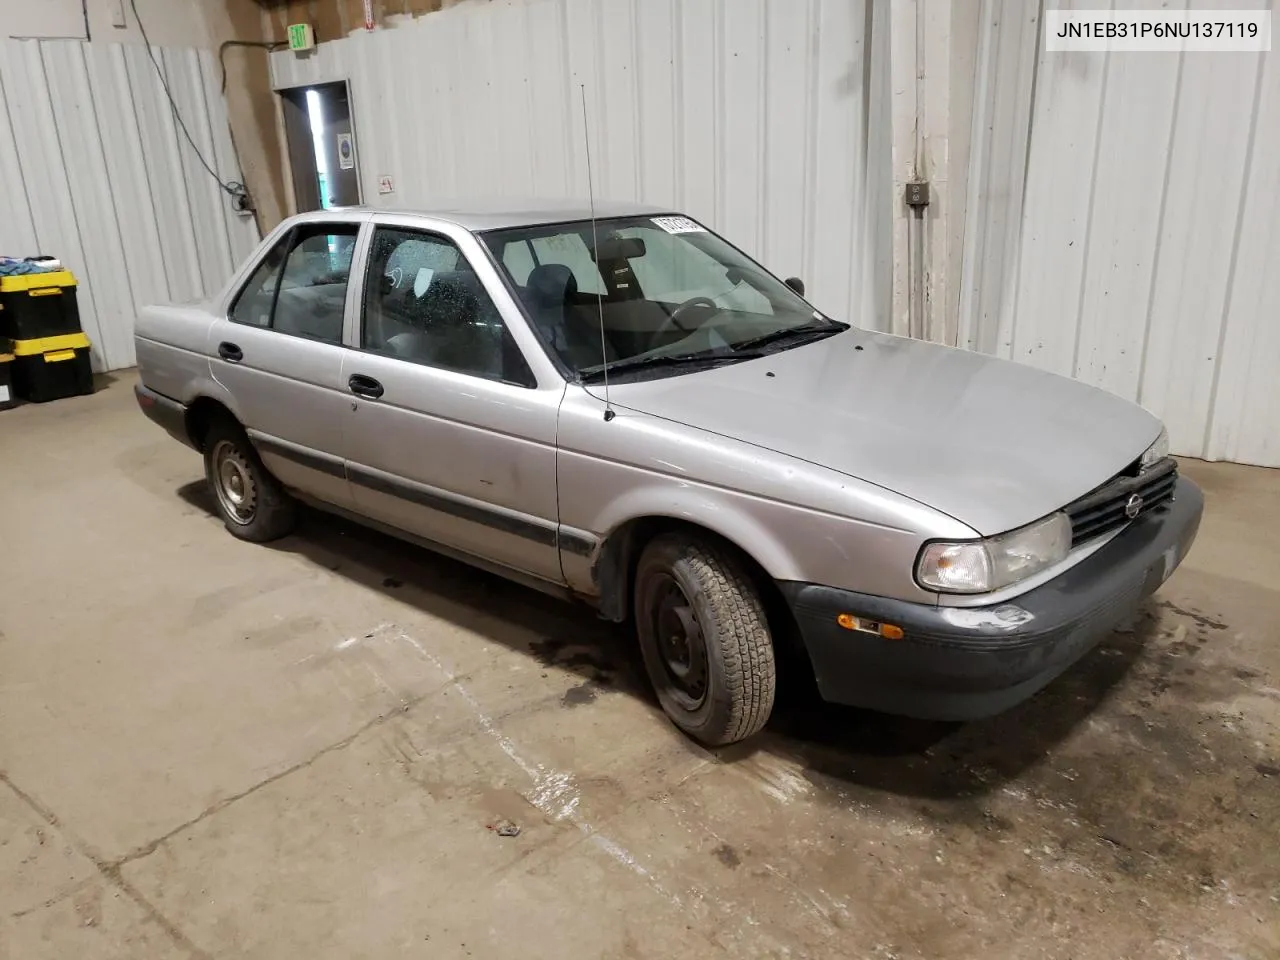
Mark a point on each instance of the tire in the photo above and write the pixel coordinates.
(234, 473)
(683, 578)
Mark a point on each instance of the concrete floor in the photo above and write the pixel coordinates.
(210, 748)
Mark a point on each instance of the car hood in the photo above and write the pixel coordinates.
(992, 443)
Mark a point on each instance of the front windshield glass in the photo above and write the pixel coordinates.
(673, 296)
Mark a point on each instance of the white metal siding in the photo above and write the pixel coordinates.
(1139, 255)
(94, 170)
(766, 119)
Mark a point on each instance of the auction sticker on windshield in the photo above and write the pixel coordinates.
(678, 225)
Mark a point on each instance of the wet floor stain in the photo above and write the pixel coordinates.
(727, 855)
(574, 654)
(1134, 767)
(1200, 619)
(581, 694)
(600, 659)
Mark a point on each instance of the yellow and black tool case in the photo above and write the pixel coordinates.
(38, 305)
(50, 368)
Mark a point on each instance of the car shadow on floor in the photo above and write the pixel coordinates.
(835, 745)
(947, 760)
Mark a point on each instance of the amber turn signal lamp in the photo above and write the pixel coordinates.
(889, 631)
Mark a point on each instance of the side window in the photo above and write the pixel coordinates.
(300, 288)
(424, 303)
(258, 296)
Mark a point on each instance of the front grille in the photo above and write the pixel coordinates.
(1105, 509)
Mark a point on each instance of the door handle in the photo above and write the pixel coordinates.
(363, 386)
(230, 352)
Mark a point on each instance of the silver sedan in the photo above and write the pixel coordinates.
(620, 407)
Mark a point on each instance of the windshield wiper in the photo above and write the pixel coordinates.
(665, 360)
(805, 330)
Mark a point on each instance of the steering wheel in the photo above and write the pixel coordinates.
(673, 321)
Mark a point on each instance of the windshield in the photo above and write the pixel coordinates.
(672, 295)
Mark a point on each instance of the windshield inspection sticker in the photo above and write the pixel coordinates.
(678, 225)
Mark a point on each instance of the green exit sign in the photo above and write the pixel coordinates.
(301, 36)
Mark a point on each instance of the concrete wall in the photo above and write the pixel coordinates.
(251, 103)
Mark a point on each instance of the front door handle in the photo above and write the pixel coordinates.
(363, 386)
(229, 351)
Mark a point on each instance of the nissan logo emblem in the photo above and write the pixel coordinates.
(1133, 506)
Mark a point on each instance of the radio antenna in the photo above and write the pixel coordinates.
(595, 245)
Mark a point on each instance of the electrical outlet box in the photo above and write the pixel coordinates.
(917, 193)
(116, 8)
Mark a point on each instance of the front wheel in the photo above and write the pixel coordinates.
(704, 638)
(252, 503)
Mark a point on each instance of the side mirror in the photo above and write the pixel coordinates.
(796, 284)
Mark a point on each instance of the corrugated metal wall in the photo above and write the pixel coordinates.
(767, 119)
(1124, 226)
(94, 170)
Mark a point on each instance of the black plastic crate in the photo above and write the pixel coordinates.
(37, 305)
(7, 396)
(52, 368)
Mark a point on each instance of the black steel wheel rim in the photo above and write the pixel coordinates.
(681, 647)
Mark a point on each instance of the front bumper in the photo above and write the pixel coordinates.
(168, 413)
(962, 663)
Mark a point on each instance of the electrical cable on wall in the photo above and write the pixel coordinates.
(258, 44)
(233, 188)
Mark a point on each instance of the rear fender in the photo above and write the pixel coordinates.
(207, 387)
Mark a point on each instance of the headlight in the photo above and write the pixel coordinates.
(980, 566)
(1157, 451)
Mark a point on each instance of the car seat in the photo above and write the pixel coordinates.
(443, 326)
(551, 294)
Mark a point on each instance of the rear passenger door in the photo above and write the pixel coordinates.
(449, 437)
(279, 354)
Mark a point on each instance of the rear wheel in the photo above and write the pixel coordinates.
(252, 503)
(704, 638)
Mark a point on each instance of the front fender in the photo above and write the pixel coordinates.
(787, 541)
(798, 521)
(707, 507)
(603, 570)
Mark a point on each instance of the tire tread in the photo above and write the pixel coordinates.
(741, 629)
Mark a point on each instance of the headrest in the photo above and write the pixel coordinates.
(551, 285)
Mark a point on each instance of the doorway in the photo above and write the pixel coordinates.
(320, 135)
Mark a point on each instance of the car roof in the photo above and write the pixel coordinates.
(500, 212)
